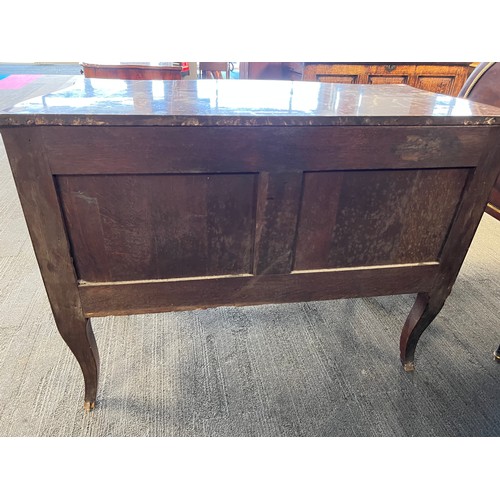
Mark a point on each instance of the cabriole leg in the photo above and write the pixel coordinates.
(78, 335)
(425, 309)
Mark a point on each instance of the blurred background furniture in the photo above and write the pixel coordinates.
(214, 70)
(133, 71)
(483, 85)
(271, 70)
(443, 78)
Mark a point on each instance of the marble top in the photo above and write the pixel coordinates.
(243, 103)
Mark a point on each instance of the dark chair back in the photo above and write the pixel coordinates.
(483, 85)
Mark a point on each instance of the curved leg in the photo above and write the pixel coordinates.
(425, 309)
(78, 335)
(44, 217)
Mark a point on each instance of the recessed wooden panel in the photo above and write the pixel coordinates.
(126, 227)
(432, 77)
(439, 84)
(337, 78)
(385, 79)
(368, 218)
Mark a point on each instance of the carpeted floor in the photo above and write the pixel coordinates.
(315, 369)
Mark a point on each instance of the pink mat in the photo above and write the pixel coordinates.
(13, 82)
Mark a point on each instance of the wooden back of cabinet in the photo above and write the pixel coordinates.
(313, 219)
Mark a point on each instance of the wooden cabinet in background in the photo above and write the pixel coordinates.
(145, 71)
(443, 78)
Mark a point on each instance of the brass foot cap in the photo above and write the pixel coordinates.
(89, 405)
(409, 366)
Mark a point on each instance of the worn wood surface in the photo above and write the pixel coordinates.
(137, 150)
(455, 246)
(278, 204)
(375, 217)
(159, 226)
(102, 299)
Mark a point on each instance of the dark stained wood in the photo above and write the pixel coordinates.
(159, 226)
(423, 312)
(369, 193)
(177, 295)
(470, 210)
(372, 218)
(131, 71)
(40, 205)
(278, 202)
(456, 244)
(483, 85)
(134, 150)
(318, 219)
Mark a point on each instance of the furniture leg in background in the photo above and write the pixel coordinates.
(215, 70)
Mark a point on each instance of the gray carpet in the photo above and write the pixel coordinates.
(315, 369)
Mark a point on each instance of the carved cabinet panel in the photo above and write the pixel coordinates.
(443, 78)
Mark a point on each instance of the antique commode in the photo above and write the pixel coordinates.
(151, 196)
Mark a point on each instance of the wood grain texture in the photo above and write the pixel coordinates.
(159, 226)
(388, 79)
(441, 78)
(278, 203)
(456, 245)
(136, 150)
(102, 299)
(376, 217)
(470, 210)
